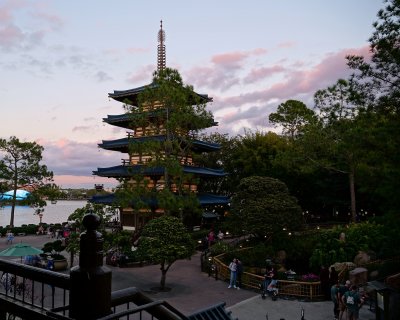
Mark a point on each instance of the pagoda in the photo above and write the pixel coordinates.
(145, 125)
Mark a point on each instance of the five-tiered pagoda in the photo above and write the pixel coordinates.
(146, 123)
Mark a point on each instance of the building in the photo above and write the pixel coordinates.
(145, 172)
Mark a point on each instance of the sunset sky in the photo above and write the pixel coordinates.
(60, 59)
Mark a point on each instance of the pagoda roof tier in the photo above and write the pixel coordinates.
(125, 120)
(205, 199)
(122, 145)
(130, 96)
(127, 171)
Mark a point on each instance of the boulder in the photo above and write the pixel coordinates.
(363, 257)
(358, 276)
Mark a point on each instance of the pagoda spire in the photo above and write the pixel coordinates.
(161, 56)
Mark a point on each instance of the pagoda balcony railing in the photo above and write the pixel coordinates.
(28, 292)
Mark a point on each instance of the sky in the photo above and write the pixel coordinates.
(60, 59)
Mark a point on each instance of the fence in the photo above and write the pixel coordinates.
(303, 289)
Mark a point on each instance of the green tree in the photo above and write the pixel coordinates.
(75, 219)
(165, 240)
(292, 116)
(20, 166)
(379, 78)
(262, 206)
(178, 114)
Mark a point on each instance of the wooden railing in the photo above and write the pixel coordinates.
(301, 289)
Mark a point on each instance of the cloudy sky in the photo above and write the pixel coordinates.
(60, 59)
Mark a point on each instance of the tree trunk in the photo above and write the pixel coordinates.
(13, 204)
(352, 195)
(163, 278)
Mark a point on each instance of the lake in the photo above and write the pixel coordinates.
(53, 213)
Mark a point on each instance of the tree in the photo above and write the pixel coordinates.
(171, 109)
(379, 78)
(292, 115)
(165, 240)
(21, 166)
(76, 218)
(262, 206)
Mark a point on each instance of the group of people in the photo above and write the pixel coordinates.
(346, 301)
(236, 270)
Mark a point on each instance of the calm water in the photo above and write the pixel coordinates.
(53, 213)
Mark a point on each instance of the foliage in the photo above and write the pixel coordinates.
(21, 166)
(363, 236)
(75, 219)
(293, 116)
(263, 207)
(177, 115)
(165, 240)
(53, 249)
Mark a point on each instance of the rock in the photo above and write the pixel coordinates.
(358, 276)
(362, 258)
(339, 266)
(393, 281)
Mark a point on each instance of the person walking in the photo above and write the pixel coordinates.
(239, 272)
(324, 278)
(353, 303)
(341, 292)
(334, 298)
(233, 269)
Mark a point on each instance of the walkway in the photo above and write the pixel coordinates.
(192, 290)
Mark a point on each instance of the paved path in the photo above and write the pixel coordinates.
(192, 290)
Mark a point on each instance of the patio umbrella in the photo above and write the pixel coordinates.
(20, 250)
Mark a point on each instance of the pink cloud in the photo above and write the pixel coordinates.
(70, 181)
(144, 74)
(301, 82)
(261, 73)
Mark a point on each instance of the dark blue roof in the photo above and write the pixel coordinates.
(126, 171)
(123, 144)
(130, 96)
(205, 199)
(125, 120)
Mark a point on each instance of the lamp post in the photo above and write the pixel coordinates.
(40, 218)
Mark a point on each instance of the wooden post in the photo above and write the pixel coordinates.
(90, 293)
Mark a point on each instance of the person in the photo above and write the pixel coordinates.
(40, 230)
(333, 277)
(220, 235)
(353, 303)
(334, 298)
(10, 237)
(273, 288)
(233, 269)
(239, 272)
(211, 238)
(269, 275)
(341, 292)
(324, 278)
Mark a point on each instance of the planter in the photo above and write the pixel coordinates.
(60, 264)
(56, 264)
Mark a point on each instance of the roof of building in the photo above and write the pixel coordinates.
(126, 120)
(126, 171)
(122, 145)
(130, 96)
(205, 199)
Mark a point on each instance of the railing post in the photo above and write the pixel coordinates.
(90, 293)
